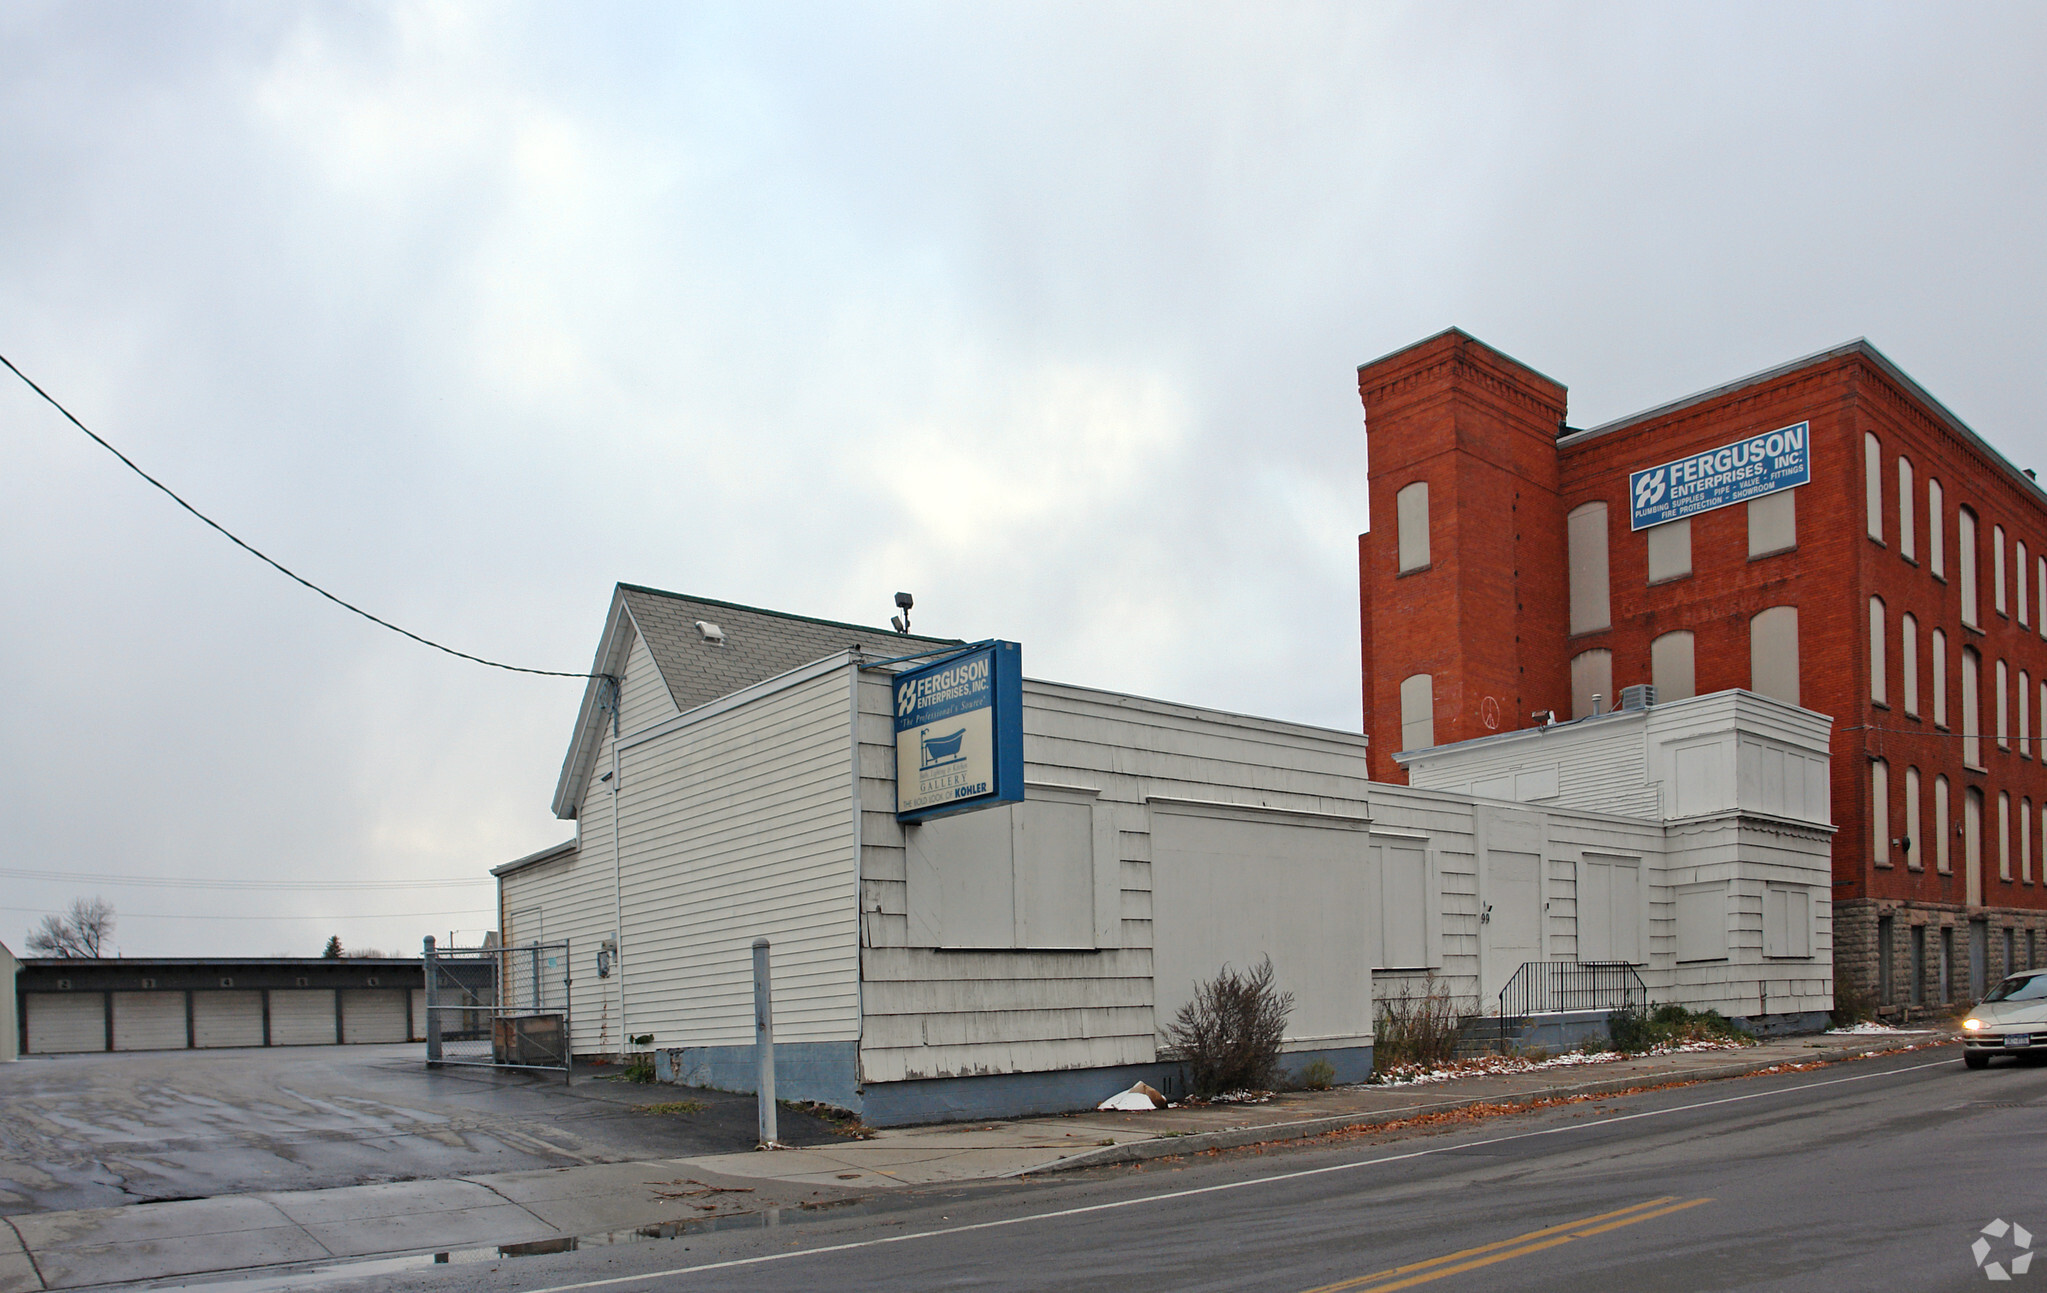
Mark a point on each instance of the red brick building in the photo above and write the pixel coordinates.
(1899, 589)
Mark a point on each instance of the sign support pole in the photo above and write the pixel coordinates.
(764, 1043)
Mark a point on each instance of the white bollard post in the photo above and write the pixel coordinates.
(764, 1041)
(433, 1031)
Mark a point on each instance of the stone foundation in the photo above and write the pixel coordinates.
(1936, 972)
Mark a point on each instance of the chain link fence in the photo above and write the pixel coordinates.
(498, 1007)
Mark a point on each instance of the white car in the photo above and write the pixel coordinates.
(2011, 1021)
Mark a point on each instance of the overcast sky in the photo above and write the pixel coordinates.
(1048, 314)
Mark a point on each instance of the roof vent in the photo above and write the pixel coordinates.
(1640, 696)
(712, 633)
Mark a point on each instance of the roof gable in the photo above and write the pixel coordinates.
(757, 645)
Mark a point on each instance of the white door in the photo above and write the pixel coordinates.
(227, 1018)
(373, 1015)
(418, 1015)
(302, 1017)
(62, 1022)
(1511, 919)
(149, 1021)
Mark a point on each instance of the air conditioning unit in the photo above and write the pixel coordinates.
(1640, 696)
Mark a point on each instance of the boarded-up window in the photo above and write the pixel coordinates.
(1908, 661)
(1702, 922)
(1787, 921)
(1907, 538)
(2024, 697)
(1591, 675)
(1873, 484)
(2003, 835)
(1412, 507)
(1876, 650)
(1972, 836)
(1417, 712)
(1610, 910)
(1965, 564)
(2018, 579)
(1943, 860)
(1972, 708)
(1670, 550)
(2003, 735)
(1403, 899)
(1915, 843)
(2040, 591)
(1997, 568)
(1020, 875)
(1938, 658)
(1772, 523)
(1936, 532)
(1773, 653)
(1880, 812)
(1591, 608)
(1671, 666)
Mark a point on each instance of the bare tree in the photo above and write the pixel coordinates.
(80, 935)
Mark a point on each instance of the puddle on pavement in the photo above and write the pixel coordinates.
(335, 1272)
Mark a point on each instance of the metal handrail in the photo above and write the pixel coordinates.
(1544, 987)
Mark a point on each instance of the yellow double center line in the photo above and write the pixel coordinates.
(1470, 1259)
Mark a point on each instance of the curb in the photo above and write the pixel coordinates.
(1139, 1151)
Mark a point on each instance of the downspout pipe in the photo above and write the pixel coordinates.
(617, 871)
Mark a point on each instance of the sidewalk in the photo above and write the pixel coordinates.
(248, 1232)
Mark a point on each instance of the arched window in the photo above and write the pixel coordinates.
(2018, 579)
(1908, 661)
(1938, 652)
(1873, 484)
(1591, 597)
(1936, 533)
(1418, 712)
(1972, 845)
(1672, 668)
(1773, 653)
(2003, 735)
(1972, 709)
(1591, 675)
(1997, 569)
(1879, 812)
(1907, 539)
(1943, 862)
(1670, 550)
(1965, 564)
(2026, 841)
(2004, 835)
(1411, 508)
(1915, 844)
(2025, 698)
(1876, 651)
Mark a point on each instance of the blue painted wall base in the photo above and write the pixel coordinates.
(827, 1072)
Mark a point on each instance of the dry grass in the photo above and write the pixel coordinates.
(1416, 1030)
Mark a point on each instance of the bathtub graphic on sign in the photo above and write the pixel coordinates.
(941, 750)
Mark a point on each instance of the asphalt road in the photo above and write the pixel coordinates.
(1878, 1174)
(103, 1130)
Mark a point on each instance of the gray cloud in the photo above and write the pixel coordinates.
(1047, 313)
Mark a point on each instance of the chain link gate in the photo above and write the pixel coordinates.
(498, 1007)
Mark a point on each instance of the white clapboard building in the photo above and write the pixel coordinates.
(732, 776)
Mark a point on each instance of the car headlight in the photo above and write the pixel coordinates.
(1972, 1024)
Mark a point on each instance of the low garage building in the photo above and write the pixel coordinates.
(154, 1004)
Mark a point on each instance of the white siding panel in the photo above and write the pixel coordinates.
(63, 1022)
(643, 698)
(227, 1018)
(373, 1015)
(571, 899)
(302, 1017)
(149, 1021)
(736, 827)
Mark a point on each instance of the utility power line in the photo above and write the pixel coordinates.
(266, 559)
(178, 882)
(157, 915)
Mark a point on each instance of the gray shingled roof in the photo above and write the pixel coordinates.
(758, 644)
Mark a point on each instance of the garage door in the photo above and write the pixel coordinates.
(149, 1021)
(227, 1018)
(302, 1017)
(418, 1015)
(373, 1015)
(66, 1021)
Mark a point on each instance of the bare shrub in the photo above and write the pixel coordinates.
(1318, 1075)
(1416, 1029)
(1229, 1036)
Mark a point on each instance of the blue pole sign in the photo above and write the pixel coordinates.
(959, 733)
(1733, 473)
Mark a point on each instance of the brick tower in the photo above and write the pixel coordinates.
(1466, 554)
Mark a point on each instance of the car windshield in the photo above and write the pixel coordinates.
(2020, 987)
